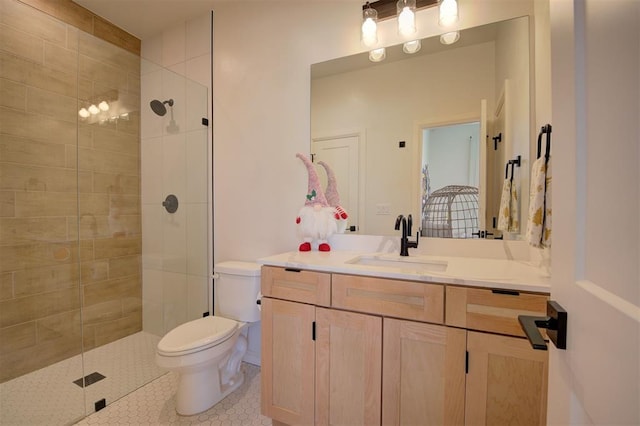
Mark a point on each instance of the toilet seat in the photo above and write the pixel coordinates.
(197, 335)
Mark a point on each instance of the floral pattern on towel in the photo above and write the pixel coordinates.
(509, 215)
(539, 219)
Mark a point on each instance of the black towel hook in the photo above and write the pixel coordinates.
(546, 129)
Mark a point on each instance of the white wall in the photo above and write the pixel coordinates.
(262, 58)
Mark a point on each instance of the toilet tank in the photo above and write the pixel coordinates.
(237, 287)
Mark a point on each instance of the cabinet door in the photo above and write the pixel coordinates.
(348, 368)
(506, 381)
(288, 358)
(423, 374)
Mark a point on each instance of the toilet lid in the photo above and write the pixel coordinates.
(197, 335)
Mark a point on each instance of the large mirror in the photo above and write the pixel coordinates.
(433, 134)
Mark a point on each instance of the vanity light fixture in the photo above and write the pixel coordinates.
(377, 55)
(448, 12)
(450, 37)
(94, 109)
(411, 46)
(406, 10)
(369, 30)
(104, 106)
(84, 113)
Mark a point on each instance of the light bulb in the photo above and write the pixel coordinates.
(104, 106)
(377, 55)
(448, 13)
(84, 113)
(369, 32)
(94, 109)
(406, 17)
(450, 38)
(411, 46)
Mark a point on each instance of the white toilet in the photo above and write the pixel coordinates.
(207, 352)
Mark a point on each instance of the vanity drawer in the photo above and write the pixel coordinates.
(387, 297)
(296, 285)
(492, 310)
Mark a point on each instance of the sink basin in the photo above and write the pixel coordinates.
(412, 264)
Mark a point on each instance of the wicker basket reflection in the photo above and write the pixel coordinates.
(451, 212)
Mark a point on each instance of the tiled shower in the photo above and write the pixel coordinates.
(90, 259)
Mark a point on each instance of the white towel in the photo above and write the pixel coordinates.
(539, 219)
(508, 216)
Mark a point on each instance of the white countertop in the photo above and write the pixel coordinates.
(469, 271)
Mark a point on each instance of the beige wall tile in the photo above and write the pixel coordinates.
(21, 44)
(132, 124)
(132, 305)
(7, 203)
(116, 183)
(102, 312)
(37, 75)
(6, 285)
(66, 11)
(21, 177)
(14, 230)
(44, 204)
(72, 38)
(107, 31)
(42, 305)
(34, 255)
(125, 266)
(17, 363)
(116, 247)
(39, 69)
(107, 75)
(94, 271)
(61, 59)
(65, 325)
(108, 54)
(52, 105)
(47, 204)
(115, 289)
(17, 337)
(112, 140)
(33, 281)
(25, 151)
(37, 127)
(23, 17)
(106, 161)
(117, 329)
(13, 95)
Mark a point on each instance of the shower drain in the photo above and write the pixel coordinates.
(89, 379)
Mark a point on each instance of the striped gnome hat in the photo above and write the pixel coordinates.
(315, 195)
(333, 197)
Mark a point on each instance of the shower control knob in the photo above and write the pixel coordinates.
(171, 203)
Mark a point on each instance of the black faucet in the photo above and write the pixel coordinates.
(405, 244)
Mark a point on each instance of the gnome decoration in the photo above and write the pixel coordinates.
(316, 220)
(333, 198)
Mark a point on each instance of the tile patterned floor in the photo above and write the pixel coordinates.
(154, 404)
(49, 397)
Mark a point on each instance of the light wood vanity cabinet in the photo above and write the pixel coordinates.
(396, 352)
(506, 381)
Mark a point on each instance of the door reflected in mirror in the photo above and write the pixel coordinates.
(385, 108)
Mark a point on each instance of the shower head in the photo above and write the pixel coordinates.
(159, 108)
